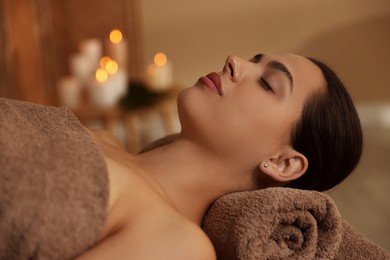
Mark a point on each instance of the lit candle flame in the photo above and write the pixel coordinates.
(116, 36)
(111, 67)
(101, 75)
(104, 61)
(160, 59)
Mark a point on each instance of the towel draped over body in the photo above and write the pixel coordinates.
(53, 183)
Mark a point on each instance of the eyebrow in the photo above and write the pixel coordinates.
(278, 66)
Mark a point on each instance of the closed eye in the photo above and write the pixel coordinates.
(265, 85)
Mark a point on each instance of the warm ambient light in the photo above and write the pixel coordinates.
(116, 36)
(160, 59)
(101, 75)
(104, 61)
(153, 70)
(111, 67)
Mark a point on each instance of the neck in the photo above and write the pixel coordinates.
(189, 176)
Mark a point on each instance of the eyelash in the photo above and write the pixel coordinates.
(265, 85)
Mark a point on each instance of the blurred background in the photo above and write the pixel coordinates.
(120, 64)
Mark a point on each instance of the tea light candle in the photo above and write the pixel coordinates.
(119, 81)
(81, 66)
(101, 91)
(117, 48)
(160, 73)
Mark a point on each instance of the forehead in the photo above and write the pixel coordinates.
(306, 75)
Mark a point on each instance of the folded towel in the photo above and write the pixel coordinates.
(283, 223)
(53, 183)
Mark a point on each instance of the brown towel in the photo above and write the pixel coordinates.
(53, 183)
(283, 223)
(355, 246)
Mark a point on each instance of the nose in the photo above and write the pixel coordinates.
(232, 67)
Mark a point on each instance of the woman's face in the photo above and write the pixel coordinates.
(246, 111)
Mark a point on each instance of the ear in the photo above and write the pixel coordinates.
(285, 167)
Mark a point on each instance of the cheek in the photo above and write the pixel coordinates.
(260, 122)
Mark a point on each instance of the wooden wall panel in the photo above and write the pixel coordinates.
(5, 85)
(22, 51)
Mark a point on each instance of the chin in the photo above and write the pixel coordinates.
(189, 104)
(185, 108)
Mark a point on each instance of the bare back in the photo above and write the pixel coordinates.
(141, 223)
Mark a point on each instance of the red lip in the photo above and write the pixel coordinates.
(213, 81)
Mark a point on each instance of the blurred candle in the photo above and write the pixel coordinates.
(69, 91)
(100, 90)
(103, 61)
(160, 73)
(109, 84)
(101, 76)
(81, 66)
(119, 82)
(111, 67)
(92, 48)
(117, 48)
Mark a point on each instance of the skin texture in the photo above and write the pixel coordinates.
(158, 199)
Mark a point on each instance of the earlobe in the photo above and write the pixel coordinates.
(285, 168)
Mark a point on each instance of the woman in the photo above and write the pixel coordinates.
(275, 120)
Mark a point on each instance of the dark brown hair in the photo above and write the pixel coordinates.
(329, 135)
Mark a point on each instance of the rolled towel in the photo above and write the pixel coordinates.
(53, 183)
(274, 223)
